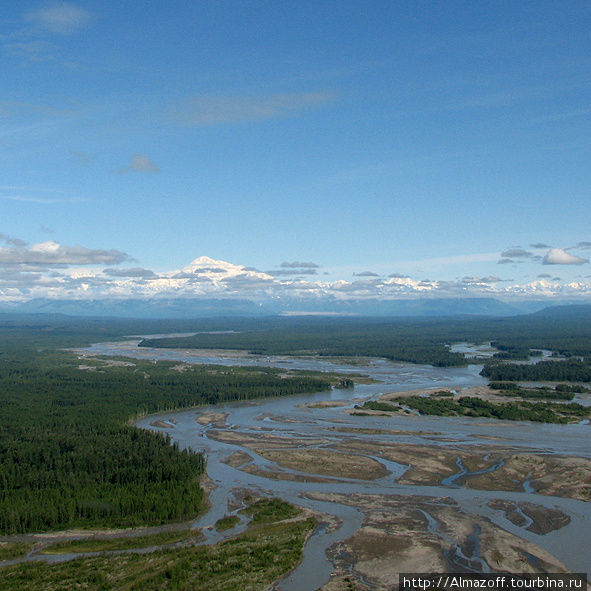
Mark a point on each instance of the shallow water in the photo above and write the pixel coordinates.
(287, 418)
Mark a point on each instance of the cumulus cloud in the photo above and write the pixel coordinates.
(52, 253)
(505, 261)
(59, 17)
(365, 274)
(140, 163)
(540, 245)
(208, 110)
(53, 270)
(558, 256)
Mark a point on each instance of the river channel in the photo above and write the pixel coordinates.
(291, 417)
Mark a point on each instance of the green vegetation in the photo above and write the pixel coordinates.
(376, 405)
(270, 510)
(549, 412)
(569, 370)
(442, 394)
(543, 393)
(415, 340)
(123, 543)
(67, 455)
(9, 550)
(573, 388)
(253, 560)
(507, 352)
(227, 522)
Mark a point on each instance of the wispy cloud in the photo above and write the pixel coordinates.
(513, 253)
(291, 272)
(298, 265)
(28, 109)
(31, 50)
(585, 245)
(140, 163)
(59, 17)
(12, 241)
(206, 110)
(42, 200)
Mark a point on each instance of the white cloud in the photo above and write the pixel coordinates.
(50, 269)
(208, 110)
(558, 256)
(59, 17)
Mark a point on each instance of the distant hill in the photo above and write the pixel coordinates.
(140, 308)
(186, 308)
(566, 312)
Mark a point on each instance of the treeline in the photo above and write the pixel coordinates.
(400, 339)
(542, 412)
(418, 340)
(69, 458)
(568, 370)
(411, 341)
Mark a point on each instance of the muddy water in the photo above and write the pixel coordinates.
(287, 418)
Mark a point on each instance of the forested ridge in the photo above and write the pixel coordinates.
(69, 458)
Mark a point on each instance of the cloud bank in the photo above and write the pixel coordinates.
(53, 270)
(51, 254)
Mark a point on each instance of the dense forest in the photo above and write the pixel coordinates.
(69, 458)
(470, 406)
(567, 370)
(401, 339)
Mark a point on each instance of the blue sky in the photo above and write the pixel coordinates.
(394, 148)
